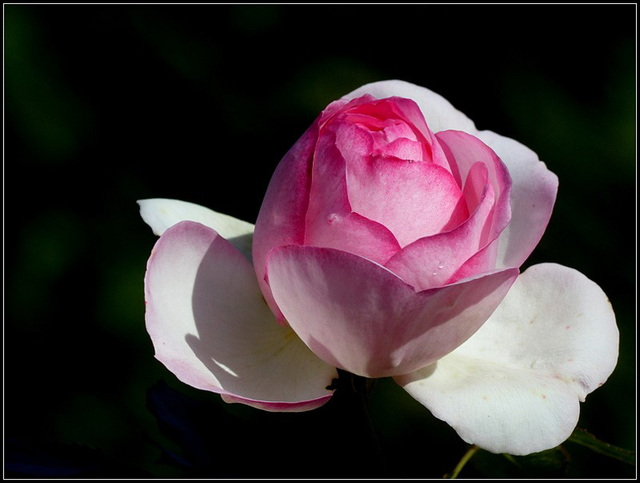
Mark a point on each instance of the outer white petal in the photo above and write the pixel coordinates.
(211, 327)
(533, 195)
(515, 386)
(162, 213)
(438, 112)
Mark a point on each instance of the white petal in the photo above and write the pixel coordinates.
(438, 112)
(211, 327)
(533, 195)
(162, 213)
(515, 386)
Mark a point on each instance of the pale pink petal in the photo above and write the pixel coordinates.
(440, 115)
(339, 106)
(411, 199)
(465, 151)
(403, 149)
(211, 328)
(482, 261)
(162, 213)
(384, 116)
(534, 187)
(330, 221)
(358, 316)
(533, 195)
(352, 233)
(281, 219)
(432, 261)
(515, 386)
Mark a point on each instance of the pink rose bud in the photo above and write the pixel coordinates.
(377, 240)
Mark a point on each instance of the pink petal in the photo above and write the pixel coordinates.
(440, 115)
(533, 195)
(515, 386)
(464, 151)
(534, 187)
(482, 261)
(397, 113)
(411, 199)
(281, 219)
(432, 261)
(357, 315)
(352, 233)
(330, 221)
(211, 328)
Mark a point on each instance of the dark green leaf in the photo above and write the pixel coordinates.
(584, 438)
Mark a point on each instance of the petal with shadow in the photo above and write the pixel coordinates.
(211, 327)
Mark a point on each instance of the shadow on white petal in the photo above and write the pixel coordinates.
(244, 244)
(240, 342)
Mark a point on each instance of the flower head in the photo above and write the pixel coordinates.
(389, 243)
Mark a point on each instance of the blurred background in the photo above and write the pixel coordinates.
(107, 104)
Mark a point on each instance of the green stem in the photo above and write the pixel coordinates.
(465, 459)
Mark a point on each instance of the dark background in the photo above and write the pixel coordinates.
(107, 104)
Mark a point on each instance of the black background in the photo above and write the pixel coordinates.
(107, 104)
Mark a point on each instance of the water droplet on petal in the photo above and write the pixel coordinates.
(332, 218)
(440, 266)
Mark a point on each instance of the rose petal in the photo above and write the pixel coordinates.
(162, 213)
(411, 199)
(330, 221)
(378, 117)
(359, 316)
(352, 233)
(211, 328)
(515, 386)
(482, 261)
(534, 187)
(533, 194)
(438, 112)
(464, 151)
(281, 219)
(432, 261)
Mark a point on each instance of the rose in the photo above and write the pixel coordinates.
(386, 250)
(370, 201)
